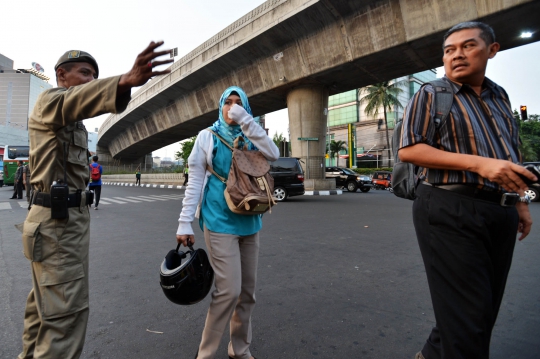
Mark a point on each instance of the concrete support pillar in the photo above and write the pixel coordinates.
(307, 107)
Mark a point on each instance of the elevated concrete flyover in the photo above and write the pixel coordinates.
(295, 53)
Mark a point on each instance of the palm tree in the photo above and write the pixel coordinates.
(334, 148)
(382, 94)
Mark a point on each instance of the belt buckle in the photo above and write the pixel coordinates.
(509, 199)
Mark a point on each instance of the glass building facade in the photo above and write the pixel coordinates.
(346, 107)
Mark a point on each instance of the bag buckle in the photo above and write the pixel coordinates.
(509, 199)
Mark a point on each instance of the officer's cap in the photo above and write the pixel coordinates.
(77, 56)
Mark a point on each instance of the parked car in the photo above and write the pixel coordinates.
(382, 179)
(534, 190)
(288, 178)
(347, 178)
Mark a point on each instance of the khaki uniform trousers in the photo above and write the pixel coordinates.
(234, 260)
(57, 307)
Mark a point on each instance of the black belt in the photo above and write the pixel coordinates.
(74, 199)
(503, 199)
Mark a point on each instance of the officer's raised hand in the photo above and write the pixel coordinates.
(142, 69)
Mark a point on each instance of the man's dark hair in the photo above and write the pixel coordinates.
(486, 32)
(95, 158)
(21, 163)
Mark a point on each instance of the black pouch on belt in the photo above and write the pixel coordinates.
(89, 198)
(59, 201)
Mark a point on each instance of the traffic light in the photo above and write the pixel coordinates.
(523, 112)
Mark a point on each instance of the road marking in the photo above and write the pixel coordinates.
(170, 196)
(113, 200)
(159, 199)
(142, 199)
(125, 199)
(5, 205)
(23, 204)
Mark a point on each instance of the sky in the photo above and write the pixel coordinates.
(114, 32)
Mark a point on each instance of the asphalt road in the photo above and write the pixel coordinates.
(339, 277)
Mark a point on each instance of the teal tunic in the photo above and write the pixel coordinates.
(215, 214)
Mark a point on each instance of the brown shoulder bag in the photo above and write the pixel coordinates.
(249, 185)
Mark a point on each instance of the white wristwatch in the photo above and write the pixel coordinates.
(525, 199)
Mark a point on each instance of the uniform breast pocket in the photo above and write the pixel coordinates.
(32, 241)
(78, 152)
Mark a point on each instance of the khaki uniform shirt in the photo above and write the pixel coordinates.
(56, 124)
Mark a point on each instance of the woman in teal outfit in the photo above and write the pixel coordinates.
(232, 240)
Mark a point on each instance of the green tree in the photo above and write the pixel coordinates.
(278, 139)
(334, 147)
(529, 131)
(185, 149)
(385, 95)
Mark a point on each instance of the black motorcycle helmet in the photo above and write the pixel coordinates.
(189, 281)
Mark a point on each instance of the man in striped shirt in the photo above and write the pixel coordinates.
(471, 203)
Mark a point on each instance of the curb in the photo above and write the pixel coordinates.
(145, 185)
(324, 193)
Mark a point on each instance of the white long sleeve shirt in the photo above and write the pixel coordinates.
(201, 156)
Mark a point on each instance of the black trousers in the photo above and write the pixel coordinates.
(138, 181)
(97, 194)
(186, 176)
(467, 247)
(18, 189)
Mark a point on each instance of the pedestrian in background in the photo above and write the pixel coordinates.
(18, 181)
(232, 240)
(186, 174)
(95, 180)
(472, 203)
(26, 181)
(57, 307)
(138, 177)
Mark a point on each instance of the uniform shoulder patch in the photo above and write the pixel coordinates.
(74, 54)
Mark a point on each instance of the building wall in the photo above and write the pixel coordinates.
(370, 131)
(37, 86)
(18, 95)
(92, 142)
(5, 63)
(14, 93)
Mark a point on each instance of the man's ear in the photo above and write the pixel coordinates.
(60, 75)
(493, 49)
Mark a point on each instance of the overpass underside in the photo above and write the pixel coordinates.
(284, 45)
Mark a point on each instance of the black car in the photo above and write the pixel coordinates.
(345, 177)
(288, 178)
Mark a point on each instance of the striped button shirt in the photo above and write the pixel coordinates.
(477, 125)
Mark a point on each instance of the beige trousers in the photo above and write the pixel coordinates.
(234, 259)
(57, 307)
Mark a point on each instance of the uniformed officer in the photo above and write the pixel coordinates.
(26, 181)
(18, 185)
(57, 243)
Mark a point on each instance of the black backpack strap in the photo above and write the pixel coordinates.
(444, 96)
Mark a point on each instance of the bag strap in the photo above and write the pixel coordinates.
(221, 139)
(208, 168)
(444, 96)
